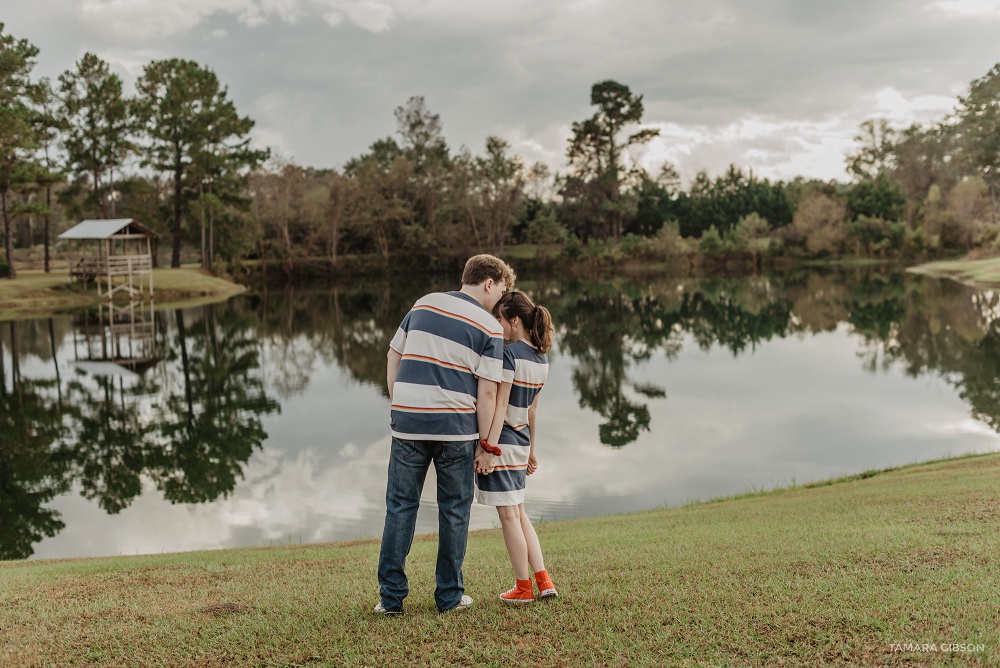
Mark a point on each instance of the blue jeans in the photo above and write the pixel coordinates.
(408, 464)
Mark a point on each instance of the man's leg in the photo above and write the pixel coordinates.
(407, 469)
(453, 462)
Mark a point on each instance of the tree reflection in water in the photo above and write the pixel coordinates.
(190, 424)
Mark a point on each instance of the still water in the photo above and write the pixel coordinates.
(264, 420)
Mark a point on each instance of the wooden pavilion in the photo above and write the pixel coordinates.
(124, 255)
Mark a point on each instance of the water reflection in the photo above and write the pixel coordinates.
(178, 405)
(118, 418)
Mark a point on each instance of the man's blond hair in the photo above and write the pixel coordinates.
(480, 267)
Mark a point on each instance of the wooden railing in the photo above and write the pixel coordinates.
(116, 265)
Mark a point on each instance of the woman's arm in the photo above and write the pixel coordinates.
(484, 461)
(503, 399)
(532, 422)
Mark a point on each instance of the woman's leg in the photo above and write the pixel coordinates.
(534, 549)
(513, 537)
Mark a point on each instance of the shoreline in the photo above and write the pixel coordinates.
(976, 273)
(749, 494)
(35, 294)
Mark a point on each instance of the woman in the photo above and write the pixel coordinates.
(525, 367)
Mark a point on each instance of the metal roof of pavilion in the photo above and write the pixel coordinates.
(105, 229)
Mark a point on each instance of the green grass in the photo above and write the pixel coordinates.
(831, 575)
(983, 273)
(35, 294)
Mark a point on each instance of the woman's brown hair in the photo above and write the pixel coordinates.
(537, 320)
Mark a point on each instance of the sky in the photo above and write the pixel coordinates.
(778, 86)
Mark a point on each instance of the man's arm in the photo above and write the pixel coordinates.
(391, 369)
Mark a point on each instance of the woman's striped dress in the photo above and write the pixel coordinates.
(525, 368)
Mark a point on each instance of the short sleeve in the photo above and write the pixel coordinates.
(399, 340)
(491, 362)
(508, 365)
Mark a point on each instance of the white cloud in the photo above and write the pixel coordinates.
(138, 21)
(892, 105)
(977, 8)
(373, 16)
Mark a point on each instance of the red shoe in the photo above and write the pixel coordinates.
(545, 587)
(521, 593)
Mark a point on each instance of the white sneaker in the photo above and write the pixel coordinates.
(381, 610)
(464, 604)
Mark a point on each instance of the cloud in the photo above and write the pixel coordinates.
(977, 8)
(776, 86)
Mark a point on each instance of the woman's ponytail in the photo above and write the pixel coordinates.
(541, 329)
(536, 320)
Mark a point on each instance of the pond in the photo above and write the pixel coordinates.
(264, 420)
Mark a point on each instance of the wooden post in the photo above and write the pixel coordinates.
(149, 252)
(107, 264)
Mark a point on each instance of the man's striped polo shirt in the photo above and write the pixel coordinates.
(448, 341)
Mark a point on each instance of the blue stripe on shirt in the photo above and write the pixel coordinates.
(444, 423)
(419, 372)
(522, 397)
(452, 329)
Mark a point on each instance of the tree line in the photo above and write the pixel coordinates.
(177, 156)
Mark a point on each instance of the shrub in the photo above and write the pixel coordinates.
(573, 247)
(634, 245)
(749, 229)
(952, 232)
(819, 224)
(710, 242)
(545, 229)
(668, 240)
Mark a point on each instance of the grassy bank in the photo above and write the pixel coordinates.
(838, 575)
(983, 273)
(36, 294)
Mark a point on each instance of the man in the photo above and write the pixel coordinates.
(444, 366)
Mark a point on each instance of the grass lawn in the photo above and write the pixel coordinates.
(35, 294)
(841, 574)
(983, 273)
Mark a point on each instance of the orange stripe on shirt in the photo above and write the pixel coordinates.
(511, 466)
(459, 317)
(524, 384)
(417, 409)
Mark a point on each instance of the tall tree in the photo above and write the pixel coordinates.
(183, 112)
(47, 126)
(222, 162)
(496, 192)
(874, 154)
(596, 153)
(978, 130)
(17, 136)
(424, 146)
(97, 121)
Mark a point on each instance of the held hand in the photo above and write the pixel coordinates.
(484, 462)
(532, 464)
